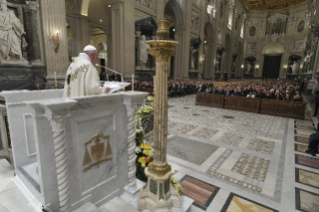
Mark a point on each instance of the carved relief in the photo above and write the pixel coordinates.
(274, 37)
(299, 45)
(219, 36)
(251, 48)
(101, 151)
(146, 3)
(195, 20)
(31, 5)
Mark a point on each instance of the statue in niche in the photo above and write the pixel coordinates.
(11, 34)
(219, 35)
(249, 68)
(144, 47)
(193, 58)
(294, 67)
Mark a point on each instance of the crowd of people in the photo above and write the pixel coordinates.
(278, 89)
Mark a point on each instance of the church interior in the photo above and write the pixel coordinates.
(159, 105)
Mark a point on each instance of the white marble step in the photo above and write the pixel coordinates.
(117, 205)
(88, 207)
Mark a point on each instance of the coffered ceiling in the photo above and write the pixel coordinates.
(271, 4)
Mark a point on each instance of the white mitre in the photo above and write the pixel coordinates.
(89, 48)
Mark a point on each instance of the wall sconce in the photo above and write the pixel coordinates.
(242, 67)
(285, 68)
(205, 41)
(257, 67)
(56, 40)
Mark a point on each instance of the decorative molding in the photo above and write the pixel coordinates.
(276, 16)
(146, 3)
(251, 48)
(292, 22)
(195, 20)
(299, 45)
(31, 5)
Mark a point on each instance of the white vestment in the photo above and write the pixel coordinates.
(82, 78)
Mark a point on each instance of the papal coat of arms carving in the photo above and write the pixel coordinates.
(101, 151)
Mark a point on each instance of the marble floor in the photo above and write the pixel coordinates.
(228, 161)
(240, 161)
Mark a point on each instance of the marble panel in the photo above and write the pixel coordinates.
(307, 161)
(205, 133)
(192, 187)
(304, 123)
(186, 128)
(230, 139)
(306, 201)
(241, 204)
(302, 139)
(307, 178)
(261, 146)
(300, 148)
(304, 133)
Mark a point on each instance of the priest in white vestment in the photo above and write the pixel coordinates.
(82, 78)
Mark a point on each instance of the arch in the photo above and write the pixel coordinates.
(208, 31)
(85, 7)
(273, 49)
(173, 7)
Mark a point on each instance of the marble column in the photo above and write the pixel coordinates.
(159, 194)
(209, 63)
(53, 20)
(58, 129)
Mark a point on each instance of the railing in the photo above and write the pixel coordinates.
(255, 105)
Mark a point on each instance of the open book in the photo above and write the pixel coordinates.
(115, 86)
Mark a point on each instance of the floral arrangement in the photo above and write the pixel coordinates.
(176, 184)
(149, 99)
(145, 111)
(143, 151)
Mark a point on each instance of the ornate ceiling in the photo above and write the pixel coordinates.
(271, 4)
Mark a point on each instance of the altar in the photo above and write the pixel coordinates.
(69, 152)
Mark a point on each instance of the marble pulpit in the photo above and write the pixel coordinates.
(69, 152)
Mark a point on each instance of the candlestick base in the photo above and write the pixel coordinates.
(159, 194)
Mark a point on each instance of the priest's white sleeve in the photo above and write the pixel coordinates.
(92, 82)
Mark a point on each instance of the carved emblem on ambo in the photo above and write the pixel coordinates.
(100, 152)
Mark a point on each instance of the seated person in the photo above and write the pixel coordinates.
(297, 97)
(235, 93)
(287, 97)
(313, 143)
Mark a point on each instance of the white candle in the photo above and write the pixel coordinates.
(55, 78)
(132, 82)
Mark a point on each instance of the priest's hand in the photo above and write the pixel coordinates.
(107, 89)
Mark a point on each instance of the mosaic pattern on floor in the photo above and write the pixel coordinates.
(213, 170)
(202, 193)
(270, 127)
(307, 178)
(251, 166)
(307, 161)
(186, 128)
(205, 133)
(190, 150)
(302, 139)
(230, 139)
(261, 146)
(305, 123)
(307, 201)
(236, 203)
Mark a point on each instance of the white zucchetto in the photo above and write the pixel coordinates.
(89, 48)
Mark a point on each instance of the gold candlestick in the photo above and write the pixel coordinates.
(160, 194)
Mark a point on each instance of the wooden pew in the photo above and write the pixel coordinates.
(211, 100)
(283, 108)
(242, 104)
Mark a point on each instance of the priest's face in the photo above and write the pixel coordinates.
(93, 56)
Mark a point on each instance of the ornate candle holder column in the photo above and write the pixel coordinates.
(159, 193)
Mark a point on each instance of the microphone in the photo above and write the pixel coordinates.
(110, 70)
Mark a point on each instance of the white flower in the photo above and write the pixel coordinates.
(144, 151)
(143, 165)
(137, 149)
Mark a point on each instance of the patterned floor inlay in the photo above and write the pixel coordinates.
(220, 161)
(230, 139)
(300, 148)
(186, 128)
(307, 178)
(236, 203)
(202, 193)
(302, 139)
(270, 127)
(304, 133)
(171, 124)
(190, 150)
(205, 133)
(307, 201)
(307, 161)
(251, 166)
(262, 146)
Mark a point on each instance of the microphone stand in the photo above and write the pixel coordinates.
(111, 70)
